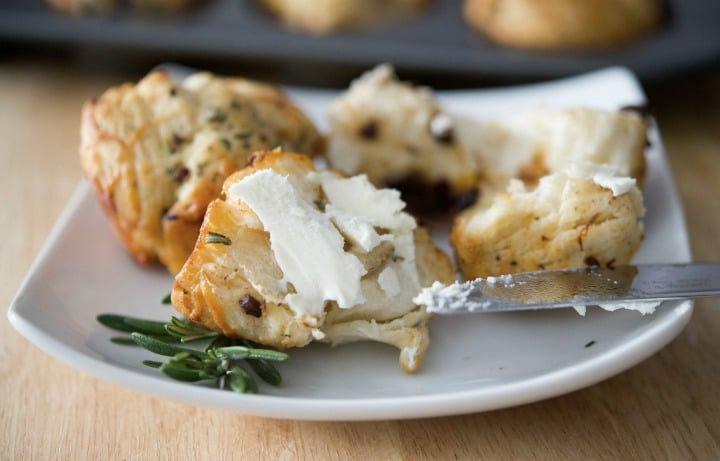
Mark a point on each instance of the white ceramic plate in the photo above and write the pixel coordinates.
(473, 364)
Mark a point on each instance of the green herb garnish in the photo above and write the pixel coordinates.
(214, 237)
(221, 360)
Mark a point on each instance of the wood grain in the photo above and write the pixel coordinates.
(667, 407)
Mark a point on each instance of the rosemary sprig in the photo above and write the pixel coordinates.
(221, 360)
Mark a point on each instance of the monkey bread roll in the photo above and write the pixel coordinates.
(399, 136)
(290, 254)
(543, 140)
(584, 216)
(157, 152)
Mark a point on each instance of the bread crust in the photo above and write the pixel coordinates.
(156, 153)
(567, 221)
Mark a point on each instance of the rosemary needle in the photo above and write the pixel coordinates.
(157, 346)
(131, 324)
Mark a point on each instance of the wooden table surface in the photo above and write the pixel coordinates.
(667, 407)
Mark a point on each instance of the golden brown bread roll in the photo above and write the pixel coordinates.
(325, 16)
(156, 153)
(290, 254)
(399, 136)
(543, 140)
(564, 24)
(584, 216)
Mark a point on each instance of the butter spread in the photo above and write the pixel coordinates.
(604, 176)
(389, 282)
(309, 236)
(644, 307)
(306, 245)
(617, 184)
(380, 208)
(456, 296)
(359, 232)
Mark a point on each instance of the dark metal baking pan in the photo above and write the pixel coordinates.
(438, 40)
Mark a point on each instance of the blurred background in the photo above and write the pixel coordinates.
(444, 43)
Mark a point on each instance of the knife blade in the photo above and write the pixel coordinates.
(638, 287)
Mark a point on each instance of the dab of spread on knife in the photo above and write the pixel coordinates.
(465, 296)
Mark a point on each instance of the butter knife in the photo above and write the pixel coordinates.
(638, 287)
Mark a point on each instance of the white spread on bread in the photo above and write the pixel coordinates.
(308, 241)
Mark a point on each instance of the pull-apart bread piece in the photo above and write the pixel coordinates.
(399, 136)
(326, 16)
(560, 188)
(156, 153)
(540, 141)
(290, 254)
(584, 216)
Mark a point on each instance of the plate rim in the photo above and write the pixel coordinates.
(503, 395)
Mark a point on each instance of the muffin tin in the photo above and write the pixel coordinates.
(438, 40)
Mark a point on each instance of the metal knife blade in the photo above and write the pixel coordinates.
(617, 287)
